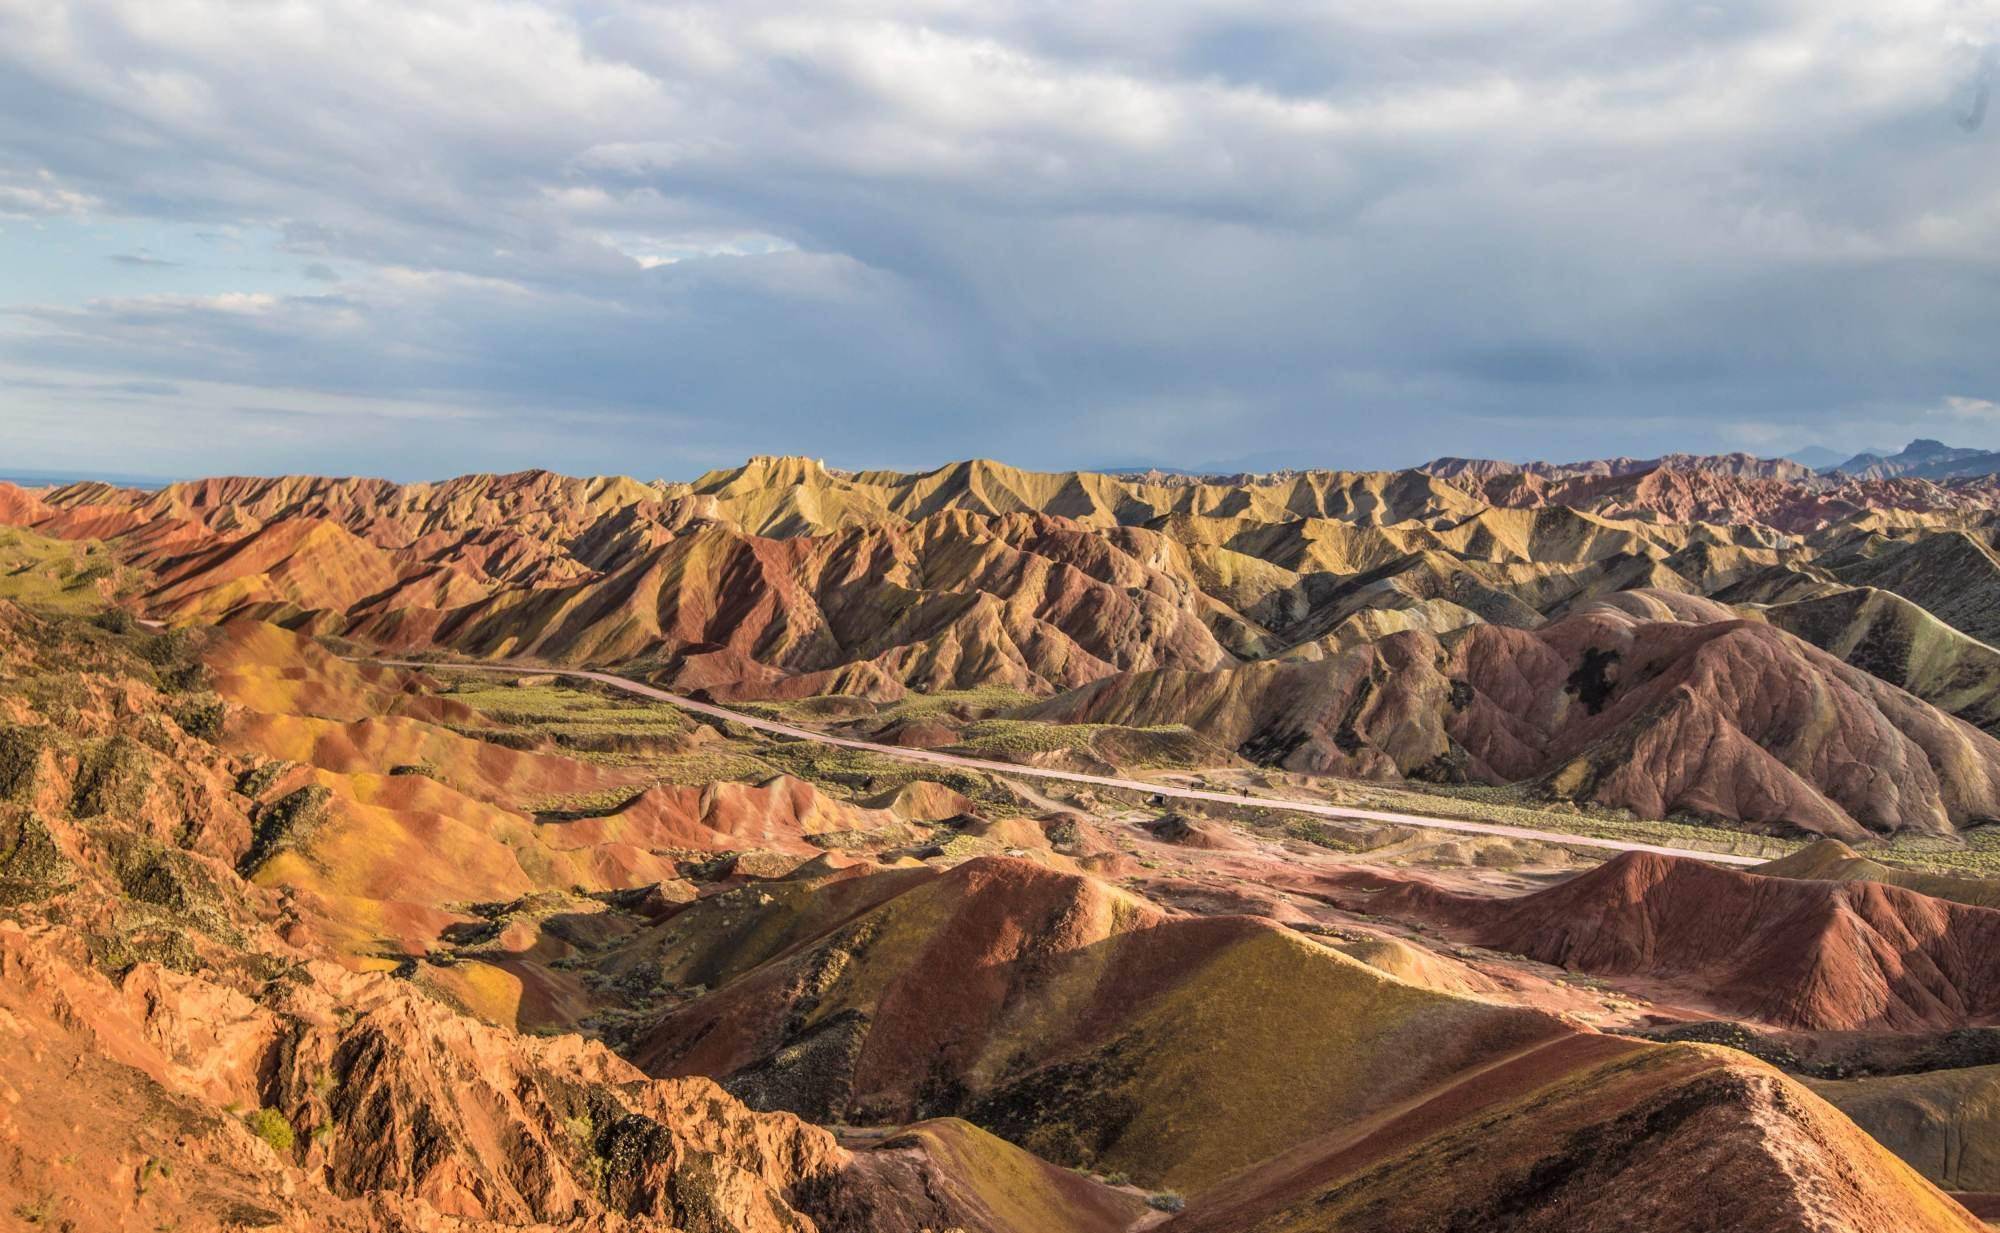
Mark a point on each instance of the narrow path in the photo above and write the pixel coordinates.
(1282, 804)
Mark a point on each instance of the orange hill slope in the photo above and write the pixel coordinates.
(174, 1054)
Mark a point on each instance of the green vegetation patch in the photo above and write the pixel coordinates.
(54, 575)
(566, 709)
(271, 1126)
(21, 761)
(32, 865)
(285, 823)
(258, 779)
(1021, 737)
(116, 779)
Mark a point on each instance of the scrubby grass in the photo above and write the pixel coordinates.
(565, 707)
(953, 703)
(858, 773)
(54, 575)
(271, 1126)
(994, 738)
(1505, 806)
(1511, 806)
(1974, 853)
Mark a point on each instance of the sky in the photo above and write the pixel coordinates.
(415, 238)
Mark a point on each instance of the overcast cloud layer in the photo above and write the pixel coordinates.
(418, 237)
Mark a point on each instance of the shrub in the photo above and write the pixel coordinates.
(284, 822)
(20, 760)
(116, 621)
(117, 778)
(258, 779)
(201, 716)
(427, 769)
(90, 573)
(32, 866)
(271, 1126)
(1166, 1201)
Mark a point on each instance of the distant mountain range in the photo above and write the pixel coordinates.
(1923, 459)
(1920, 459)
(1820, 458)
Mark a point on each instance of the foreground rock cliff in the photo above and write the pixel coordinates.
(171, 1060)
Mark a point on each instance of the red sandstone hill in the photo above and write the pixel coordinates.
(1728, 718)
(1786, 951)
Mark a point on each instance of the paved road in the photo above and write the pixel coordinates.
(935, 758)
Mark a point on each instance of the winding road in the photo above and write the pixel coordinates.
(1172, 791)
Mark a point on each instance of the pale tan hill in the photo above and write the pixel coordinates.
(1944, 1123)
(1830, 860)
(958, 601)
(1431, 616)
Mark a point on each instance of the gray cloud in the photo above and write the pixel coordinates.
(1981, 88)
(1179, 231)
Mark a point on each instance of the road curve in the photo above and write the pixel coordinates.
(932, 757)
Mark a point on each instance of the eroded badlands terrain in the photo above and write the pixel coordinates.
(293, 938)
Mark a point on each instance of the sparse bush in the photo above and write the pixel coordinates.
(116, 779)
(116, 621)
(258, 779)
(285, 821)
(201, 716)
(426, 768)
(32, 866)
(90, 573)
(1166, 1201)
(20, 760)
(271, 1126)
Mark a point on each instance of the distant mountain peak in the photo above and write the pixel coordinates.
(1923, 458)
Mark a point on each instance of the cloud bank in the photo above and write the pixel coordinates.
(412, 237)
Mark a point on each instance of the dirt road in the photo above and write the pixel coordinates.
(1170, 791)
